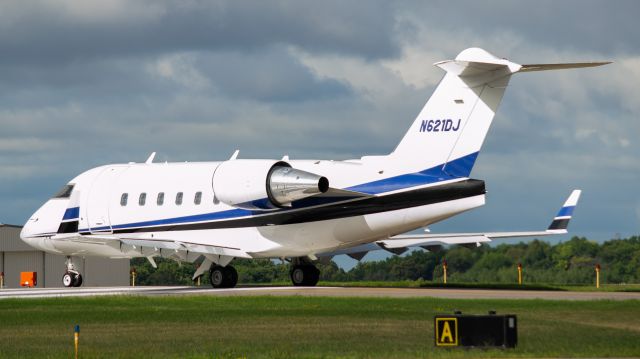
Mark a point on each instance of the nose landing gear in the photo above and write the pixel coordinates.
(71, 278)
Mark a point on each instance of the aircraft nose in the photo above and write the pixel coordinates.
(27, 233)
(27, 228)
(45, 221)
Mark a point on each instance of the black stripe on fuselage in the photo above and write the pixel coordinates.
(68, 227)
(396, 201)
(560, 223)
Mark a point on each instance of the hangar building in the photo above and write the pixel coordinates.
(16, 257)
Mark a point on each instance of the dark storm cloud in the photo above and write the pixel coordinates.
(47, 33)
(608, 26)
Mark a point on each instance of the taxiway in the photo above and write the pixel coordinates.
(449, 293)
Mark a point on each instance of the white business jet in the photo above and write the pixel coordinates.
(302, 211)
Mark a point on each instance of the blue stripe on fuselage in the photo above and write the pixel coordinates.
(461, 167)
(428, 176)
(233, 213)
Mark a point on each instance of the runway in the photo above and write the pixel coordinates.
(448, 293)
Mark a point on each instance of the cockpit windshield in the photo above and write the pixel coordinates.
(64, 192)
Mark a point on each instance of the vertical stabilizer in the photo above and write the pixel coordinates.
(450, 129)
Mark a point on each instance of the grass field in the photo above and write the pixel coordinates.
(302, 327)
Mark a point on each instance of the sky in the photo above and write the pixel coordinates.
(86, 83)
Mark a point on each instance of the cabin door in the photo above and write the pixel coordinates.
(100, 197)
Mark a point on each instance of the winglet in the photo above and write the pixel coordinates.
(561, 220)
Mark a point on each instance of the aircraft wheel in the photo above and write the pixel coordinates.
(232, 276)
(305, 275)
(68, 279)
(223, 277)
(77, 281)
(216, 276)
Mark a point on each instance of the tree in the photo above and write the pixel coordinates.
(568, 262)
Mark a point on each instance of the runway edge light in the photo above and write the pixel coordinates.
(76, 338)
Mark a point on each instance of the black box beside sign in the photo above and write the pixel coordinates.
(476, 330)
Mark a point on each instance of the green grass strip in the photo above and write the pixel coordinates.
(302, 327)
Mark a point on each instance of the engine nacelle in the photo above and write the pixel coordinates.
(264, 184)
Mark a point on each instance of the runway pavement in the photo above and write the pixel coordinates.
(450, 293)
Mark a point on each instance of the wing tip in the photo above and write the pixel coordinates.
(573, 198)
(561, 220)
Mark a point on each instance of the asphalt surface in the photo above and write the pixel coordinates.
(450, 293)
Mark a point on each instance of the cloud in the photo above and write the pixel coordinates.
(65, 32)
(180, 69)
(563, 26)
(83, 84)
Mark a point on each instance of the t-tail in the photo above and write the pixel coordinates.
(448, 133)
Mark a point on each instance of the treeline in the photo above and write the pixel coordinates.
(570, 262)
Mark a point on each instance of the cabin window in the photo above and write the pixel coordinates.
(123, 199)
(179, 198)
(142, 199)
(64, 192)
(160, 199)
(198, 198)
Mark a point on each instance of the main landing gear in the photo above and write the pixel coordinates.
(223, 277)
(71, 278)
(304, 274)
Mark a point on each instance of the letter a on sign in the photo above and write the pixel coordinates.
(446, 332)
(446, 336)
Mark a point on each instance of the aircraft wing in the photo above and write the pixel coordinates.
(433, 242)
(167, 248)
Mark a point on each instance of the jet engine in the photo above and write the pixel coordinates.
(264, 184)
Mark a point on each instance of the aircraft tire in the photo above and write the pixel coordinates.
(68, 279)
(216, 276)
(223, 277)
(305, 275)
(77, 280)
(231, 277)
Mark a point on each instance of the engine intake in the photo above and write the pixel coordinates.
(264, 184)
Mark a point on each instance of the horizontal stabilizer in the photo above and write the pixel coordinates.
(575, 65)
(475, 62)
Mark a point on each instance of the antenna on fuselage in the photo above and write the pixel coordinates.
(151, 157)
